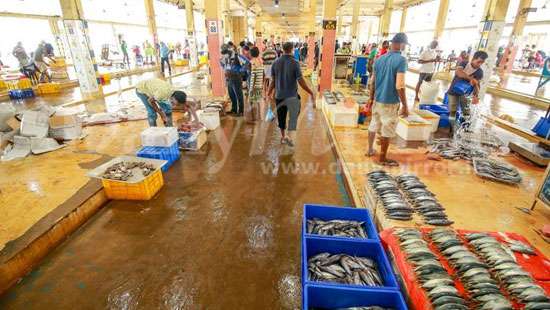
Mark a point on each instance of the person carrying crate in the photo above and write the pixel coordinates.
(159, 96)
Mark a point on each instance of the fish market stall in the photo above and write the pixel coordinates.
(459, 269)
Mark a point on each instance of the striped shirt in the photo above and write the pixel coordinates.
(269, 56)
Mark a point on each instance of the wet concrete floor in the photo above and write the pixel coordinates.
(223, 233)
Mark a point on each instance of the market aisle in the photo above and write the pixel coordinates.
(224, 232)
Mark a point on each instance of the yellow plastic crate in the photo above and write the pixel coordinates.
(182, 62)
(59, 63)
(3, 85)
(48, 88)
(203, 59)
(144, 190)
(12, 84)
(24, 83)
(106, 77)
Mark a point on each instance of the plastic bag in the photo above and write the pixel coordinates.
(270, 116)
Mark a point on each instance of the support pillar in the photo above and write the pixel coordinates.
(76, 30)
(385, 19)
(56, 32)
(214, 38)
(354, 25)
(492, 27)
(259, 33)
(152, 26)
(339, 23)
(227, 22)
(191, 36)
(403, 23)
(441, 18)
(329, 37)
(311, 36)
(369, 34)
(507, 62)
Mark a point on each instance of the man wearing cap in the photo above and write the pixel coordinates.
(388, 90)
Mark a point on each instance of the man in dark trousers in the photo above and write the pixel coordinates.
(287, 75)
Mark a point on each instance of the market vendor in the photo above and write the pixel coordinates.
(159, 96)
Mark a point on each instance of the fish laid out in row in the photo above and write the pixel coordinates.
(387, 191)
(482, 288)
(429, 271)
(345, 269)
(447, 149)
(339, 228)
(123, 171)
(355, 308)
(517, 282)
(496, 170)
(423, 201)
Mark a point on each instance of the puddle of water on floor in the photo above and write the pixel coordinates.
(290, 293)
(126, 296)
(259, 233)
(180, 205)
(179, 294)
(219, 212)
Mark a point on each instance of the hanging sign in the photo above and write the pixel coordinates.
(329, 24)
(212, 26)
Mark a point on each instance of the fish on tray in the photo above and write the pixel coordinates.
(517, 282)
(339, 228)
(345, 269)
(123, 171)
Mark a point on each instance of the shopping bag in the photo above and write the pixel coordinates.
(270, 116)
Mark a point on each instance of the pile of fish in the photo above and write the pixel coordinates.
(355, 308)
(474, 274)
(517, 282)
(329, 97)
(123, 171)
(433, 277)
(496, 170)
(447, 149)
(340, 228)
(345, 269)
(387, 192)
(423, 201)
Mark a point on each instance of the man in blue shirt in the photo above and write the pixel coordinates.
(164, 58)
(386, 93)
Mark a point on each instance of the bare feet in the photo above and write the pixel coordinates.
(370, 153)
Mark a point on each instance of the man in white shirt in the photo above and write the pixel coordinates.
(427, 61)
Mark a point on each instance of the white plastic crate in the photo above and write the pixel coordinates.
(159, 136)
(430, 117)
(341, 116)
(211, 120)
(35, 124)
(195, 142)
(414, 128)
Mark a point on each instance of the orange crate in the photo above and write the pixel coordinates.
(144, 190)
(48, 88)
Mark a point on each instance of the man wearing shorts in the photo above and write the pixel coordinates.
(427, 60)
(388, 90)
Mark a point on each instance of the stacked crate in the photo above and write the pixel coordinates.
(49, 88)
(58, 69)
(333, 295)
(19, 89)
(160, 143)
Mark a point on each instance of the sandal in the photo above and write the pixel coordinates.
(389, 163)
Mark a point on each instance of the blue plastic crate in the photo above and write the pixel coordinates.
(170, 154)
(327, 213)
(328, 297)
(444, 121)
(542, 127)
(18, 94)
(438, 109)
(368, 248)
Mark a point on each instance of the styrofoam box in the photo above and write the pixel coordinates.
(211, 120)
(414, 131)
(35, 124)
(67, 132)
(159, 136)
(344, 117)
(430, 117)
